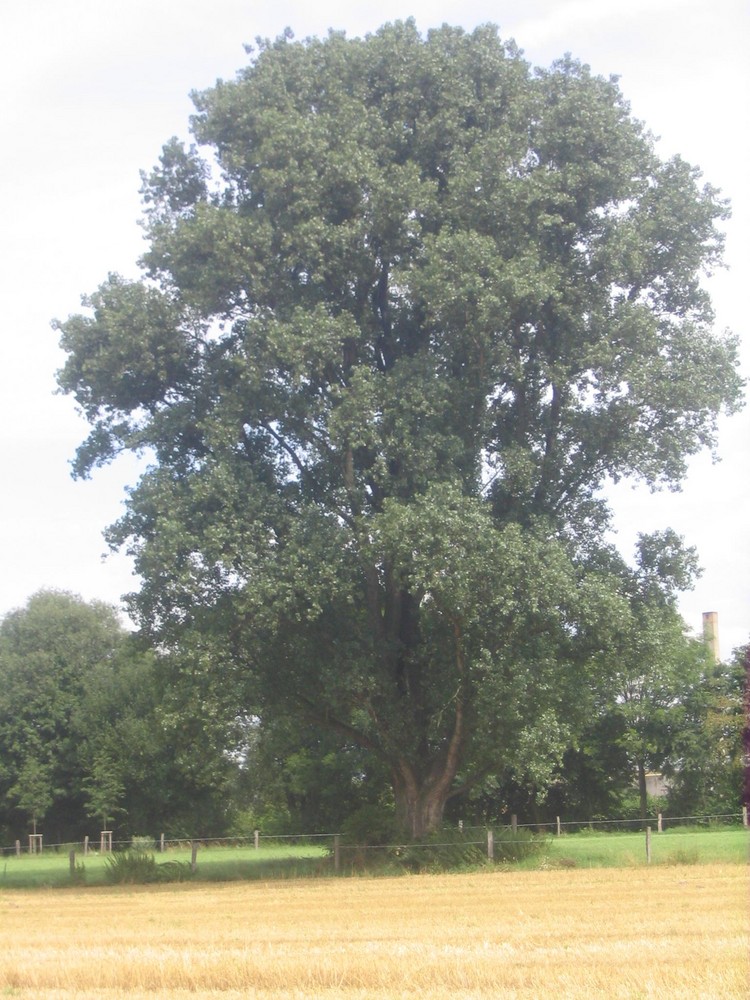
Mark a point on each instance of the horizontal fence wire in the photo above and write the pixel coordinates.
(408, 845)
(257, 838)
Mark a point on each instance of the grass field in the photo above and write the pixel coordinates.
(662, 931)
(678, 845)
(284, 860)
(223, 864)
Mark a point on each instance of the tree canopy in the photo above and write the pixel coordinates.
(88, 727)
(407, 305)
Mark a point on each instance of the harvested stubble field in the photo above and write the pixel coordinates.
(649, 932)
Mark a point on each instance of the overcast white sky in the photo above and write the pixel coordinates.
(90, 91)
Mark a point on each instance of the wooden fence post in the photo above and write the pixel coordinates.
(558, 827)
(256, 836)
(18, 848)
(648, 845)
(658, 824)
(491, 845)
(514, 824)
(86, 846)
(161, 844)
(194, 857)
(336, 852)
(744, 815)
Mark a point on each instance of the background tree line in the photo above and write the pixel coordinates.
(89, 734)
(99, 732)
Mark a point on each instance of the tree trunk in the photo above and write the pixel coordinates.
(420, 804)
(421, 792)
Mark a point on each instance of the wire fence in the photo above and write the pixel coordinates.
(659, 820)
(470, 836)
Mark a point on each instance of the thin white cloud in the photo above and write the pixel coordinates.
(561, 19)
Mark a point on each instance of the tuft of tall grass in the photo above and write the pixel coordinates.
(140, 868)
(143, 845)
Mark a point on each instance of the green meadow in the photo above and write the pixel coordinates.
(284, 860)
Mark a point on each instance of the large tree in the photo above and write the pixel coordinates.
(406, 306)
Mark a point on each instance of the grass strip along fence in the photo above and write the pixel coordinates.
(106, 844)
(138, 861)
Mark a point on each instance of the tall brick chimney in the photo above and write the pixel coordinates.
(711, 633)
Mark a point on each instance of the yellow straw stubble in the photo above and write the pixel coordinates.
(659, 932)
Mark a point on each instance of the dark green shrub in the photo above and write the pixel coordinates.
(518, 846)
(174, 871)
(272, 820)
(445, 850)
(449, 849)
(369, 826)
(140, 868)
(130, 867)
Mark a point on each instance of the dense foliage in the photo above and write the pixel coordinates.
(87, 738)
(405, 308)
(92, 735)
